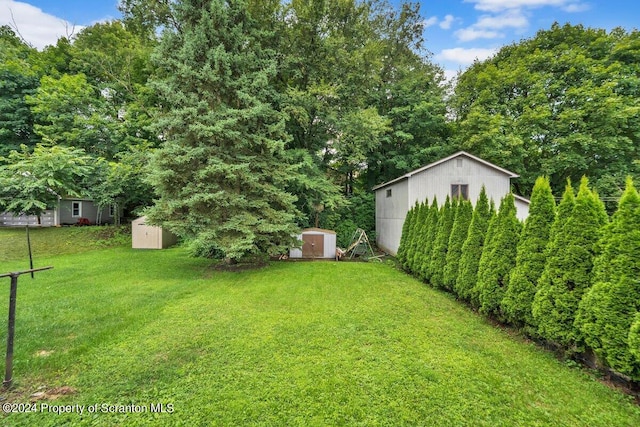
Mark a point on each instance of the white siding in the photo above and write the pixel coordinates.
(390, 213)
(329, 243)
(145, 236)
(437, 181)
(522, 208)
(47, 219)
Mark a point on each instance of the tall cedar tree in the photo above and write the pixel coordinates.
(568, 272)
(221, 172)
(459, 233)
(531, 257)
(493, 278)
(416, 248)
(608, 311)
(404, 237)
(429, 239)
(413, 236)
(556, 240)
(472, 248)
(439, 252)
(423, 233)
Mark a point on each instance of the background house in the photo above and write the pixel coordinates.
(459, 175)
(66, 212)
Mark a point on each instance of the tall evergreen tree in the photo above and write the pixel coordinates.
(421, 241)
(494, 275)
(412, 243)
(459, 233)
(485, 257)
(472, 248)
(567, 274)
(531, 257)
(222, 169)
(439, 251)
(430, 237)
(608, 315)
(404, 237)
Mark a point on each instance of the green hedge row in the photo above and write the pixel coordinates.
(568, 275)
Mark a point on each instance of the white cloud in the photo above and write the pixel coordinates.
(487, 26)
(576, 7)
(430, 22)
(464, 56)
(496, 6)
(508, 19)
(35, 26)
(446, 23)
(470, 34)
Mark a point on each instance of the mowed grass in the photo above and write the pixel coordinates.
(295, 343)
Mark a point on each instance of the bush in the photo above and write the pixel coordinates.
(494, 273)
(459, 234)
(531, 257)
(568, 272)
(608, 314)
(439, 253)
(472, 248)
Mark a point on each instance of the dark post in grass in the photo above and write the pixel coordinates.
(8, 371)
(30, 253)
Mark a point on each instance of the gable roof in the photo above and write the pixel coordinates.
(446, 159)
(522, 199)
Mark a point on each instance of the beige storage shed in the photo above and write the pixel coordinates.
(316, 244)
(145, 236)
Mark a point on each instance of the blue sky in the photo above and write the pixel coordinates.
(456, 31)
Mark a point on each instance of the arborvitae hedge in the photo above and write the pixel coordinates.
(459, 234)
(567, 274)
(408, 253)
(421, 237)
(494, 277)
(439, 253)
(485, 256)
(608, 314)
(404, 238)
(472, 248)
(423, 211)
(425, 261)
(531, 257)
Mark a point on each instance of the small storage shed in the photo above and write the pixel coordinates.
(316, 243)
(145, 236)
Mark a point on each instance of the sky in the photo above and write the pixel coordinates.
(456, 31)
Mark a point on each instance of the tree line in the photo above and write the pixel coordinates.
(567, 275)
(235, 122)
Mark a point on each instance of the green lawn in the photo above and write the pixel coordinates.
(308, 343)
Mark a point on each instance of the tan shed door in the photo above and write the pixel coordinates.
(312, 245)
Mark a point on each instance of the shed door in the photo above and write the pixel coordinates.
(312, 245)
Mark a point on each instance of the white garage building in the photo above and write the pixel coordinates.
(460, 174)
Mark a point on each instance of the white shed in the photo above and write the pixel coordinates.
(145, 236)
(459, 175)
(316, 244)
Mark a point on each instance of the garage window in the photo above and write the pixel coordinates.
(460, 191)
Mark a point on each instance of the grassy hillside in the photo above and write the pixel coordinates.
(50, 241)
(308, 343)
